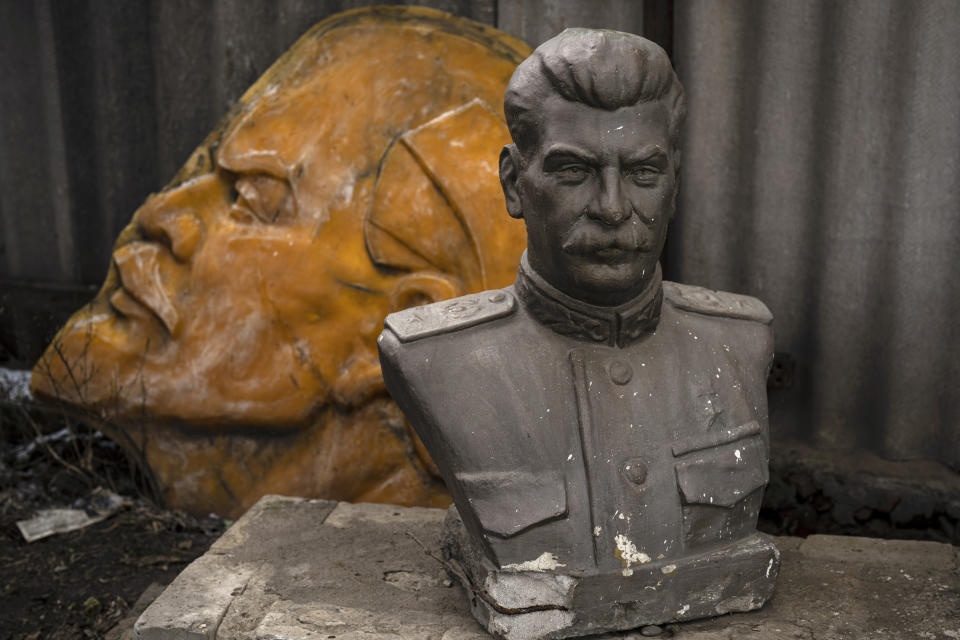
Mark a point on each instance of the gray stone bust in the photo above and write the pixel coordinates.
(603, 433)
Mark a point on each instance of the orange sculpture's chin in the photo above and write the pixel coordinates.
(360, 455)
(231, 348)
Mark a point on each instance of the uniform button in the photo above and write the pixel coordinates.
(620, 372)
(636, 470)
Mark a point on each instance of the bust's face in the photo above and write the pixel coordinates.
(596, 194)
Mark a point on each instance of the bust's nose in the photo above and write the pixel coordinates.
(610, 207)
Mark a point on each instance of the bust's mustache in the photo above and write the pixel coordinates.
(590, 239)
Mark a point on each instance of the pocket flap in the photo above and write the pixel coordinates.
(715, 438)
(509, 502)
(723, 475)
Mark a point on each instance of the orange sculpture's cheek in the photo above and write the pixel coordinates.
(363, 461)
(298, 311)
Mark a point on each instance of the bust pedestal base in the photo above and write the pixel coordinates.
(548, 604)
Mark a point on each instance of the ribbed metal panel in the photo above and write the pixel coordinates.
(102, 101)
(821, 174)
(536, 21)
(820, 167)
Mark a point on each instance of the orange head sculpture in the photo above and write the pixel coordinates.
(232, 345)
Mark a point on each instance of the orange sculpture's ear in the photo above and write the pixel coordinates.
(360, 376)
(436, 202)
(422, 288)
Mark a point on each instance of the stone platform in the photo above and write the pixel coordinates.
(293, 569)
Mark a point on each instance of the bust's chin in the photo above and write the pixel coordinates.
(609, 284)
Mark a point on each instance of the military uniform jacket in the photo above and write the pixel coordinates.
(606, 437)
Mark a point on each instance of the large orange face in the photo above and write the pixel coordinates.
(233, 343)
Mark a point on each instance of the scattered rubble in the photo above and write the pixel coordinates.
(80, 583)
(46, 522)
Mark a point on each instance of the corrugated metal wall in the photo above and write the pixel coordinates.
(822, 173)
(102, 100)
(820, 168)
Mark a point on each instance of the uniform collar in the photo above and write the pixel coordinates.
(618, 326)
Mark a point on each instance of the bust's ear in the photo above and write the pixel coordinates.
(510, 178)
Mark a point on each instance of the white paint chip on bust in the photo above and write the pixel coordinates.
(546, 562)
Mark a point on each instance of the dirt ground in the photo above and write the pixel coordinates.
(80, 584)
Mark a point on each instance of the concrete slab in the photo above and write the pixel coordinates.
(294, 569)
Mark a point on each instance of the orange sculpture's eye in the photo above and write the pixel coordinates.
(263, 198)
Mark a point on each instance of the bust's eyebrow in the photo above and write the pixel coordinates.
(651, 154)
(564, 152)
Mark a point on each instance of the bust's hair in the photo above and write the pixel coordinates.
(599, 68)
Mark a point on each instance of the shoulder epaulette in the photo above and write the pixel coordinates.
(450, 315)
(716, 303)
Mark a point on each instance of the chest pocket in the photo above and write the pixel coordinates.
(511, 502)
(720, 478)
